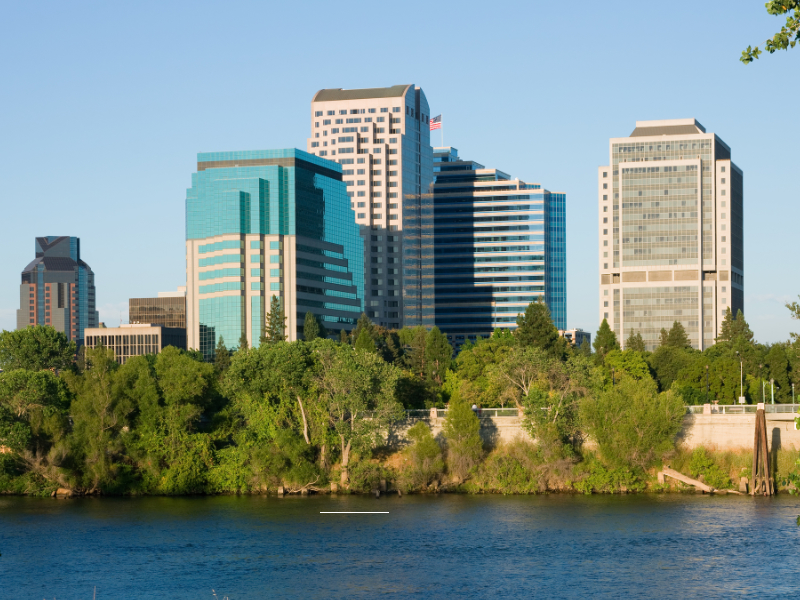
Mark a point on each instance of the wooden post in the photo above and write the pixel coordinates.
(762, 482)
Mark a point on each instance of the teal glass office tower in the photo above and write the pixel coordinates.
(57, 289)
(499, 244)
(267, 223)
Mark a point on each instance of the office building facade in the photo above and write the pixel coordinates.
(269, 223)
(381, 139)
(167, 310)
(499, 244)
(576, 337)
(57, 289)
(671, 232)
(132, 340)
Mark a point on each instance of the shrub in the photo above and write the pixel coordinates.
(703, 465)
(424, 456)
(462, 432)
(596, 477)
(632, 423)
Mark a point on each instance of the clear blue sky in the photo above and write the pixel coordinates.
(104, 106)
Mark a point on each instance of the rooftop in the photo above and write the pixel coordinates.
(334, 94)
(667, 127)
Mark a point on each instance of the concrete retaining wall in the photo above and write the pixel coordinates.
(724, 432)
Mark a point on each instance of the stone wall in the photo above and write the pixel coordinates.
(723, 432)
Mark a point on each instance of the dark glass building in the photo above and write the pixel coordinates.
(57, 289)
(168, 310)
(498, 244)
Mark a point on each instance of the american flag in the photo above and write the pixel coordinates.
(436, 122)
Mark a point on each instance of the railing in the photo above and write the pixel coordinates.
(426, 413)
(742, 409)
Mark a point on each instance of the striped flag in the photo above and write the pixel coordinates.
(436, 122)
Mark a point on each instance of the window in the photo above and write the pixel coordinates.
(391, 206)
(361, 194)
(380, 129)
(376, 161)
(605, 219)
(362, 205)
(377, 205)
(316, 124)
(722, 193)
(392, 140)
(331, 113)
(343, 112)
(376, 194)
(723, 215)
(383, 110)
(365, 130)
(605, 209)
(360, 161)
(605, 315)
(367, 119)
(376, 171)
(723, 180)
(326, 122)
(605, 197)
(339, 121)
(605, 242)
(347, 171)
(396, 120)
(723, 238)
(392, 162)
(723, 204)
(605, 174)
(393, 151)
(377, 216)
(605, 265)
(315, 144)
(392, 217)
(605, 303)
(392, 194)
(318, 113)
(605, 186)
(361, 171)
(379, 119)
(605, 231)
(361, 216)
(371, 111)
(722, 169)
(346, 161)
(335, 130)
(395, 109)
(376, 150)
(360, 182)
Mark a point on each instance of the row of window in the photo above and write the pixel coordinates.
(358, 111)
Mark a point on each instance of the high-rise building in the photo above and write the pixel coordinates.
(499, 244)
(267, 223)
(671, 232)
(167, 310)
(381, 138)
(58, 289)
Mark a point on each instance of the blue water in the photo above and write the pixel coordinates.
(449, 546)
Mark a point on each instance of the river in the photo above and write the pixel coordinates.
(448, 546)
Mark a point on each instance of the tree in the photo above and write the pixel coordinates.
(359, 392)
(276, 321)
(794, 309)
(438, 355)
(735, 330)
(777, 369)
(787, 37)
(362, 324)
(414, 339)
(462, 433)
(630, 362)
(604, 341)
(343, 337)
(243, 345)
(365, 341)
(586, 348)
(536, 328)
(635, 342)
(36, 349)
(667, 361)
(676, 337)
(311, 330)
(632, 423)
(222, 357)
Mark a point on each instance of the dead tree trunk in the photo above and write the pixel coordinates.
(762, 482)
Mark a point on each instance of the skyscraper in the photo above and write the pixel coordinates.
(499, 244)
(267, 223)
(671, 232)
(57, 288)
(381, 137)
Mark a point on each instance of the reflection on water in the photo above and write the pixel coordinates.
(676, 546)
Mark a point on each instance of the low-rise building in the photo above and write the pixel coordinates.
(136, 339)
(576, 336)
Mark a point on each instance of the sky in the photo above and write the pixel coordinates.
(104, 107)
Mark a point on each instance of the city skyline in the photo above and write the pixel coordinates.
(569, 142)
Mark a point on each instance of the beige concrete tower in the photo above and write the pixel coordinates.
(381, 138)
(671, 232)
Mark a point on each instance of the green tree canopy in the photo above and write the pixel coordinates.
(604, 341)
(438, 355)
(787, 37)
(635, 342)
(311, 328)
(536, 328)
(462, 434)
(365, 341)
(222, 357)
(630, 362)
(36, 349)
(676, 337)
(276, 322)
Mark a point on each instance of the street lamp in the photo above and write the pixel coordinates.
(772, 388)
(741, 378)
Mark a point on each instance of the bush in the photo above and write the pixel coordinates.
(597, 478)
(518, 468)
(424, 457)
(703, 465)
(632, 423)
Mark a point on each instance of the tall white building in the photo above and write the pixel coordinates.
(381, 138)
(671, 232)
